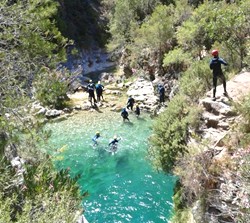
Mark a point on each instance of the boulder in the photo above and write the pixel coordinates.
(53, 113)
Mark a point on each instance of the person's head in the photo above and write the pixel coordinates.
(97, 133)
(90, 81)
(115, 137)
(99, 82)
(215, 53)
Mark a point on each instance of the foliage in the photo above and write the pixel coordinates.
(83, 22)
(176, 60)
(52, 88)
(170, 133)
(44, 195)
(218, 21)
(231, 27)
(243, 109)
(29, 40)
(192, 35)
(196, 80)
(156, 32)
(126, 17)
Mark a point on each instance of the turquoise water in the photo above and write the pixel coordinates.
(122, 187)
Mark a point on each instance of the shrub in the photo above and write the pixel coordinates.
(51, 89)
(170, 132)
(44, 194)
(176, 61)
(196, 80)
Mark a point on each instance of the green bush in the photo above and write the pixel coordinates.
(196, 80)
(45, 195)
(51, 89)
(177, 61)
(170, 132)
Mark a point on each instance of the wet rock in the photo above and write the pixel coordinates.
(53, 113)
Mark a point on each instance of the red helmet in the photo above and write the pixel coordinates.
(215, 53)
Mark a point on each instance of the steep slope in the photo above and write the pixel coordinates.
(219, 172)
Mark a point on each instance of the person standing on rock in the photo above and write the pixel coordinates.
(130, 103)
(99, 90)
(215, 65)
(91, 91)
(161, 91)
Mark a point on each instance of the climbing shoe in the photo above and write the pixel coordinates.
(214, 99)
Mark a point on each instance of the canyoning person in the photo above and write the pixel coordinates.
(114, 144)
(124, 114)
(99, 90)
(91, 91)
(215, 65)
(96, 136)
(130, 103)
(161, 91)
(137, 111)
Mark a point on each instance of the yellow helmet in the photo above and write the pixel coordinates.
(115, 137)
(97, 133)
(90, 81)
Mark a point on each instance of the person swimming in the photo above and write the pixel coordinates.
(114, 143)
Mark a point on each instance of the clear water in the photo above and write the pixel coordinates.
(122, 187)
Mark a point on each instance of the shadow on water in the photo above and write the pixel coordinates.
(122, 161)
(128, 123)
(141, 119)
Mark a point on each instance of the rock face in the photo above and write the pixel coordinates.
(143, 92)
(224, 196)
(219, 115)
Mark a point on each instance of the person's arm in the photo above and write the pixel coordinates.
(223, 62)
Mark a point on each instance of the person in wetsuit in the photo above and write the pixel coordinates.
(94, 139)
(137, 111)
(99, 90)
(161, 91)
(91, 91)
(130, 103)
(124, 114)
(215, 65)
(114, 143)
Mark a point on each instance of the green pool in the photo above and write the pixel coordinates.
(122, 187)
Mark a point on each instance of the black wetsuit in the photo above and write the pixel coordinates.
(137, 110)
(99, 90)
(162, 94)
(215, 65)
(124, 114)
(91, 91)
(130, 103)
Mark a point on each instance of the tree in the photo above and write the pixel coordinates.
(157, 31)
(29, 42)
